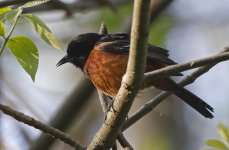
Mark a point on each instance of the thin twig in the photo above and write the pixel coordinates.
(173, 69)
(124, 143)
(69, 8)
(157, 6)
(149, 106)
(79, 6)
(13, 2)
(41, 126)
(104, 101)
(6, 39)
(103, 29)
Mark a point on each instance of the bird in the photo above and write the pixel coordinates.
(103, 59)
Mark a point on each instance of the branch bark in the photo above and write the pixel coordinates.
(123, 106)
(74, 104)
(39, 125)
(105, 101)
(131, 82)
(146, 108)
(173, 69)
(149, 106)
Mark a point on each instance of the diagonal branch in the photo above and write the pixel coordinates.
(76, 101)
(149, 106)
(131, 82)
(105, 101)
(13, 2)
(157, 6)
(173, 69)
(39, 125)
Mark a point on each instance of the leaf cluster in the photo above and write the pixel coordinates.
(22, 47)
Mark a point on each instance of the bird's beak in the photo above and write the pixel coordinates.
(64, 60)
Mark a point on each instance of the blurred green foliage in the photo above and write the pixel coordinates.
(219, 144)
(155, 142)
(118, 22)
(115, 20)
(160, 28)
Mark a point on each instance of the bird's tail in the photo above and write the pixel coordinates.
(195, 102)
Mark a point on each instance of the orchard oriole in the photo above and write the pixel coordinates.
(103, 59)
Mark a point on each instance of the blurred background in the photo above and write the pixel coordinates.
(63, 97)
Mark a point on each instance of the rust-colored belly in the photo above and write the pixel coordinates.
(105, 70)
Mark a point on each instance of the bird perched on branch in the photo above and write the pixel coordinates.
(103, 59)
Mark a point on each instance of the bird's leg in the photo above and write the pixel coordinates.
(110, 107)
(107, 103)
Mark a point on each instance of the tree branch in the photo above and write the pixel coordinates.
(70, 110)
(149, 106)
(139, 114)
(13, 2)
(157, 6)
(173, 69)
(69, 8)
(105, 101)
(39, 125)
(128, 90)
(131, 82)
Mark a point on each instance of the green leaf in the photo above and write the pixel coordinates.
(216, 144)
(13, 14)
(3, 12)
(2, 29)
(43, 30)
(34, 3)
(224, 132)
(36, 21)
(25, 52)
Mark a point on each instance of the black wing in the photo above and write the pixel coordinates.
(120, 44)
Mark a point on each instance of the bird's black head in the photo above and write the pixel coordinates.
(79, 49)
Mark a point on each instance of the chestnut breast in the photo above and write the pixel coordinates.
(105, 70)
